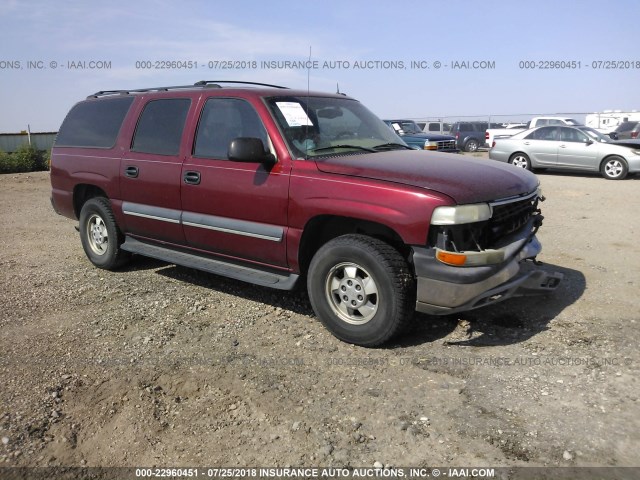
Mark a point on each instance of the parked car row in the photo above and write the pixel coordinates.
(469, 136)
(416, 138)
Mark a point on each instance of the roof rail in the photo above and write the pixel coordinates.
(201, 83)
(103, 93)
(215, 83)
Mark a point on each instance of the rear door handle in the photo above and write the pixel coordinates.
(192, 178)
(131, 172)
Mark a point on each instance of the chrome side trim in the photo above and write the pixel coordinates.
(155, 213)
(209, 222)
(236, 227)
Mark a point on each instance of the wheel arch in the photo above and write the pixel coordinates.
(321, 229)
(83, 192)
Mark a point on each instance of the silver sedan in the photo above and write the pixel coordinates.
(565, 147)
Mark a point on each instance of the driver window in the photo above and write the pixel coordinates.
(572, 135)
(222, 120)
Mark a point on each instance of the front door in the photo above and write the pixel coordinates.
(231, 208)
(576, 150)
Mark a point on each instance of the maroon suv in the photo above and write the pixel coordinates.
(266, 185)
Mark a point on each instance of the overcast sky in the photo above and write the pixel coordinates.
(382, 38)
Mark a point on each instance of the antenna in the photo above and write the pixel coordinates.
(337, 88)
(306, 128)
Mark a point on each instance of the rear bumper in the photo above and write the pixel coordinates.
(443, 289)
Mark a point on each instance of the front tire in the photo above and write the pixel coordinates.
(614, 168)
(100, 236)
(520, 160)
(361, 289)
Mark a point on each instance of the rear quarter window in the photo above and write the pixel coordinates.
(93, 123)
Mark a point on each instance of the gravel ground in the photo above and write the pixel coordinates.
(158, 365)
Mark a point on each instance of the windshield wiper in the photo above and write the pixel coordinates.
(391, 146)
(357, 147)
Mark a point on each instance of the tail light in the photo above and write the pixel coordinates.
(486, 135)
(634, 134)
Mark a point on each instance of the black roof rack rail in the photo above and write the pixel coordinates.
(215, 83)
(201, 83)
(103, 93)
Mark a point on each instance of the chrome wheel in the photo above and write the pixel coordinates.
(520, 160)
(97, 234)
(613, 168)
(352, 293)
(472, 146)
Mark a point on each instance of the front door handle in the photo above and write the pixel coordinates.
(131, 172)
(192, 178)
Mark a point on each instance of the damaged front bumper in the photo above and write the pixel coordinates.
(443, 289)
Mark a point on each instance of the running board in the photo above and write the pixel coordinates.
(218, 267)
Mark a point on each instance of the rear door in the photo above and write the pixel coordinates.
(150, 171)
(231, 208)
(542, 146)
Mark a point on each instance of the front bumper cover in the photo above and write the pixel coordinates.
(444, 289)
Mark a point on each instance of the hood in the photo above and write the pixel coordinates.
(464, 179)
(627, 143)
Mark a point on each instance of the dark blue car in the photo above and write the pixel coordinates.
(410, 132)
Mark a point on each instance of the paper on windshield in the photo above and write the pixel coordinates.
(294, 114)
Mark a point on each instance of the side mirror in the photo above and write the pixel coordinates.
(249, 150)
(613, 135)
(588, 142)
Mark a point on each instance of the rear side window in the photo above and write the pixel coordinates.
(626, 126)
(94, 123)
(545, 133)
(160, 126)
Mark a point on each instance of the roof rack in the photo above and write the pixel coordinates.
(201, 83)
(215, 83)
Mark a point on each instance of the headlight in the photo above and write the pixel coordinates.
(461, 214)
(430, 145)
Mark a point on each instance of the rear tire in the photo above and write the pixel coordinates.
(471, 145)
(361, 289)
(100, 236)
(614, 168)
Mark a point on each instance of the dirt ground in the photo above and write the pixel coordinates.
(158, 365)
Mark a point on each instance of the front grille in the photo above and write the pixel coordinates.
(509, 217)
(446, 145)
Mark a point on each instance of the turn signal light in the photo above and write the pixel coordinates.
(451, 258)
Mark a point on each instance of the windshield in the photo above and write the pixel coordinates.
(596, 135)
(328, 126)
(407, 127)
